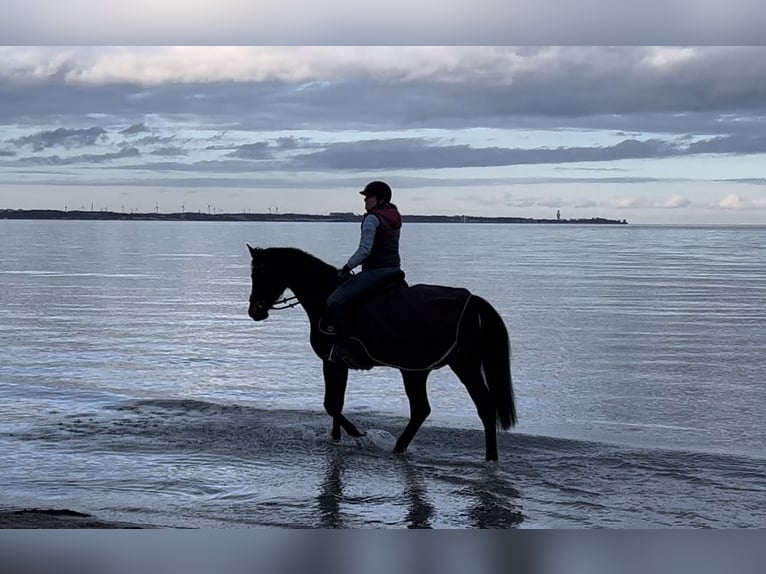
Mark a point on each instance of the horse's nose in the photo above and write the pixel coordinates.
(257, 312)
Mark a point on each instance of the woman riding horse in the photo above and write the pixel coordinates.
(378, 254)
(440, 326)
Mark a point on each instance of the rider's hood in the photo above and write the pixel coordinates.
(390, 213)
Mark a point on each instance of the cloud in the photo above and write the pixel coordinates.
(292, 143)
(629, 202)
(135, 129)
(395, 153)
(490, 119)
(414, 153)
(731, 201)
(735, 202)
(253, 151)
(738, 143)
(415, 82)
(148, 140)
(169, 151)
(674, 202)
(745, 180)
(128, 152)
(63, 137)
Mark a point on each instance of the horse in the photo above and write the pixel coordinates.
(478, 353)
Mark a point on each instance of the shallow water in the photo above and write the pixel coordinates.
(134, 386)
(186, 463)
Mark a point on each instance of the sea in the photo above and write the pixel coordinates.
(134, 386)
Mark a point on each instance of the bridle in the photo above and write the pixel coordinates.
(286, 303)
(278, 305)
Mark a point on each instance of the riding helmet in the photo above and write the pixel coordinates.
(379, 189)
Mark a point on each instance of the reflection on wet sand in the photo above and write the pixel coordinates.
(420, 510)
(496, 505)
(492, 503)
(331, 493)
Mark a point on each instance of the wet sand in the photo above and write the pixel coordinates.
(35, 518)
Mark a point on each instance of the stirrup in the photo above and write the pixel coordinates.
(326, 326)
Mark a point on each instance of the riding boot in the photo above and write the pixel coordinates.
(340, 350)
(340, 323)
(333, 319)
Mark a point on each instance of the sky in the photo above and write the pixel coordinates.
(650, 134)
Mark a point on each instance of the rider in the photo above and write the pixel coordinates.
(378, 253)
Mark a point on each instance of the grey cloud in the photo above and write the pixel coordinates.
(169, 151)
(84, 158)
(148, 140)
(610, 88)
(745, 180)
(135, 129)
(682, 202)
(229, 176)
(739, 143)
(257, 150)
(7, 153)
(417, 153)
(600, 169)
(217, 166)
(292, 143)
(64, 137)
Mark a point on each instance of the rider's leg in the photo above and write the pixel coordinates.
(350, 291)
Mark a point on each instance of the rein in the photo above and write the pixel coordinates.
(285, 303)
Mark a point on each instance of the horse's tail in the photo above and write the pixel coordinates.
(496, 362)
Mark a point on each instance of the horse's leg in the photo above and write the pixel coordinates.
(415, 387)
(335, 379)
(468, 370)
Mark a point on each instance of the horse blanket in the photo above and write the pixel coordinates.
(408, 327)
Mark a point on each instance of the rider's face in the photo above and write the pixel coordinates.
(370, 201)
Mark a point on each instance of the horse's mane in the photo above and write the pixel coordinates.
(292, 258)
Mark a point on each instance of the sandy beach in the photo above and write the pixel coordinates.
(35, 518)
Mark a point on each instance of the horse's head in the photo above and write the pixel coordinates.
(267, 284)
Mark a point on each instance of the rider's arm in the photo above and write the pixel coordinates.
(369, 227)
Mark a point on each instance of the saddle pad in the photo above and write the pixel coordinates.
(412, 328)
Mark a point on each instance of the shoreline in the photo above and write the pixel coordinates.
(292, 217)
(50, 518)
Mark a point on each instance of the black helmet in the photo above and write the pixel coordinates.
(379, 189)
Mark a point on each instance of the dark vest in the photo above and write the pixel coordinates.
(385, 248)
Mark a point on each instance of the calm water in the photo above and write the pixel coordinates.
(134, 386)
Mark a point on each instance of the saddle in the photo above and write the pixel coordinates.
(397, 280)
(406, 327)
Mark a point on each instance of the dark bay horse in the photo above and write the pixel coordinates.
(479, 356)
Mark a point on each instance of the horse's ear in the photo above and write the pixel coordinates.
(253, 250)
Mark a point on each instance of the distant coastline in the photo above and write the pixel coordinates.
(331, 217)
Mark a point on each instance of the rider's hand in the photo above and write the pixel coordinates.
(344, 273)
